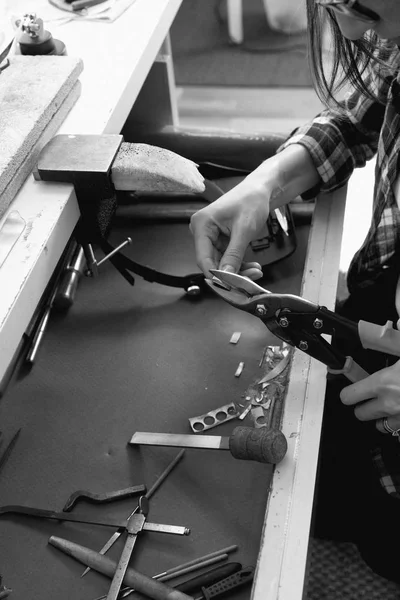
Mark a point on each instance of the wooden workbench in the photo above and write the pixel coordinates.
(117, 58)
(72, 437)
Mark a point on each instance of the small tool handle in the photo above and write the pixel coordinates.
(66, 290)
(209, 577)
(262, 445)
(229, 583)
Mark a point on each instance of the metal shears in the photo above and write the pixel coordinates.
(302, 323)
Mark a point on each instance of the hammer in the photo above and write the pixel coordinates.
(261, 445)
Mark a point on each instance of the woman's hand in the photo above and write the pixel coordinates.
(377, 396)
(223, 230)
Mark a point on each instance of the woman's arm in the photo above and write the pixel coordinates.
(319, 156)
(223, 230)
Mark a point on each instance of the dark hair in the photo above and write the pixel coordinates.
(350, 59)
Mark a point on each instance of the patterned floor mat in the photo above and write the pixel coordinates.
(337, 572)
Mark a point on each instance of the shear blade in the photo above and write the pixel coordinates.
(239, 282)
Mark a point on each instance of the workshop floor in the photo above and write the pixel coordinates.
(335, 570)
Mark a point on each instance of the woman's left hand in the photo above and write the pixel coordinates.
(376, 397)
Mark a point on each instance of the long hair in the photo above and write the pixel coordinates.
(349, 61)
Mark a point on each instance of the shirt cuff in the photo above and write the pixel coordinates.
(309, 138)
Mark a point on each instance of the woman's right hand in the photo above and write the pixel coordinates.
(223, 230)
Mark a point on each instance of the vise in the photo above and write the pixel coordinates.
(100, 165)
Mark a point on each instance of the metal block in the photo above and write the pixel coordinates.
(69, 158)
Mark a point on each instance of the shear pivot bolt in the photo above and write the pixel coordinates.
(284, 322)
(303, 346)
(261, 310)
(318, 323)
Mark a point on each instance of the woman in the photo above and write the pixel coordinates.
(358, 493)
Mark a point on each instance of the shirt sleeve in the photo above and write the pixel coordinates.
(341, 140)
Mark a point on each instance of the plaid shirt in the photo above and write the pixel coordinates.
(339, 143)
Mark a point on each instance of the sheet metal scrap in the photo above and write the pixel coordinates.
(264, 398)
(235, 337)
(214, 417)
(239, 369)
(4, 591)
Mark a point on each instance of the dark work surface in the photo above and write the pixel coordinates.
(126, 359)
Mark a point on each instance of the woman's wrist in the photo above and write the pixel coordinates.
(285, 176)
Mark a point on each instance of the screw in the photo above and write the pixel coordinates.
(318, 323)
(284, 322)
(303, 345)
(261, 310)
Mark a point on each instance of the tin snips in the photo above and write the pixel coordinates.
(303, 324)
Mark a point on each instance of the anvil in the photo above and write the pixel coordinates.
(98, 166)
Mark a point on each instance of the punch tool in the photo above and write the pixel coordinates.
(303, 324)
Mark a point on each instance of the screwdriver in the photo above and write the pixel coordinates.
(262, 445)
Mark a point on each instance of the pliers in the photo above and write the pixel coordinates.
(302, 323)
